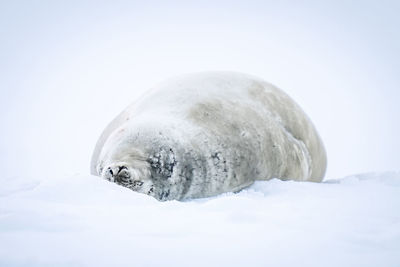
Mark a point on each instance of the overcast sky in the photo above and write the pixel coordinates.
(69, 67)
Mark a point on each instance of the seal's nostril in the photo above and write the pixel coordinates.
(117, 174)
(120, 168)
(109, 174)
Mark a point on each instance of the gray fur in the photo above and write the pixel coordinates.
(208, 133)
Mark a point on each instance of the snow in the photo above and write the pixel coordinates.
(82, 220)
(69, 68)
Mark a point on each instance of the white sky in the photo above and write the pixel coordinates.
(67, 68)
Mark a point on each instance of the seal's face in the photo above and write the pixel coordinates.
(128, 176)
(123, 162)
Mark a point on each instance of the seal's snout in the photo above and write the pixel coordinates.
(117, 174)
(123, 174)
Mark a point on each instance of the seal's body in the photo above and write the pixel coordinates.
(204, 134)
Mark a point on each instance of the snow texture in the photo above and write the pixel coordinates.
(83, 220)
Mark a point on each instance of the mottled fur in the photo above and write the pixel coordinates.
(204, 134)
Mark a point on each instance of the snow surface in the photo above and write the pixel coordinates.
(83, 220)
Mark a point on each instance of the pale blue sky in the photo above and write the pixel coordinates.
(68, 67)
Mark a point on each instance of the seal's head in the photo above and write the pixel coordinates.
(126, 166)
(130, 176)
(141, 162)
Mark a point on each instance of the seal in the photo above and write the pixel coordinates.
(203, 134)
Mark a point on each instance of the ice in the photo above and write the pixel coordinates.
(82, 220)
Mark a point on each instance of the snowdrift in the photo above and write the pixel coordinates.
(86, 221)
